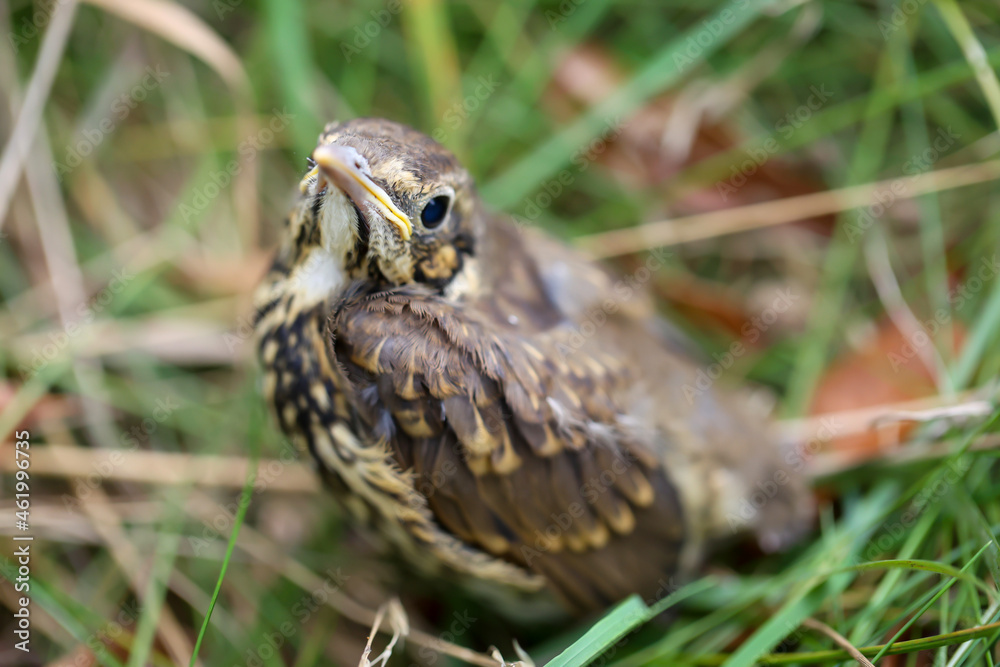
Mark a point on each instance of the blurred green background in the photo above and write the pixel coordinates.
(141, 194)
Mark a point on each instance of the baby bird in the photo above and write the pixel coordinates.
(491, 402)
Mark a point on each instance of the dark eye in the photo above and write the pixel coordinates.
(434, 212)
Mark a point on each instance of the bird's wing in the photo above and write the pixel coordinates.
(716, 441)
(517, 444)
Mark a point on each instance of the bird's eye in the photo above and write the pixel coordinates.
(434, 212)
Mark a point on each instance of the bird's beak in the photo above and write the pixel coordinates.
(346, 168)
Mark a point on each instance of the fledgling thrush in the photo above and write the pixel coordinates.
(493, 403)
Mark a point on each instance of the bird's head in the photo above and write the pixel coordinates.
(381, 203)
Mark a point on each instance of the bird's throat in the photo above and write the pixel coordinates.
(318, 278)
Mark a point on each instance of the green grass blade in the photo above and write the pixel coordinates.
(913, 619)
(628, 615)
(974, 53)
(839, 264)
(663, 70)
(926, 566)
(66, 611)
(806, 598)
(156, 588)
(838, 655)
(241, 513)
(290, 52)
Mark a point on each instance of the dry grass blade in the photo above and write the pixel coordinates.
(28, 120)
(165, 468)
(376, 625)
(835, 463)
(805, 434)
(178, 25)
(839, 639)
(888, 289)
(59, 253)
(176, 340)
(67, 280)
(400, 628)
(107, 523)
(951, 412)
(137, 254)
(524, 660)
(851, 422)
(777, 212)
